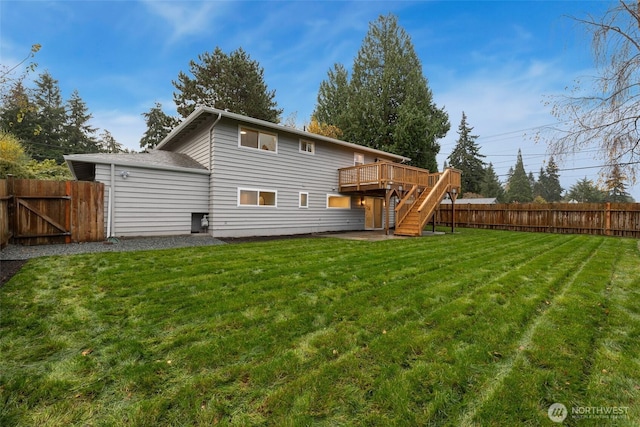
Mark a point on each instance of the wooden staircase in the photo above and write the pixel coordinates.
(411, 217)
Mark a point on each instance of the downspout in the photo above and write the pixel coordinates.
(112, 192)
(211, 167)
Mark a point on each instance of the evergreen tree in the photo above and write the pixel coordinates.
(109, 143)
(532, 181)
(231, 82)
(51, 117)
(389, 105)
(616, 187)
(585, 191)
(159, 125)
(538, 189)
(491, 186)
(333, 99)
(467, 158)
(548, 185)
(18, 115)
(79, 134)
(519, 186)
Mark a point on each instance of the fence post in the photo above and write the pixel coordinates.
(607, 219)
(67, 212)
(11, 206)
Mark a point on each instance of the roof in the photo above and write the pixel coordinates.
(81, 165)
(484, 201)
(202, 114)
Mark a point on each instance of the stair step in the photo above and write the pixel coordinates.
(412, 224)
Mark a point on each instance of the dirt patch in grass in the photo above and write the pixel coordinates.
(9, 269)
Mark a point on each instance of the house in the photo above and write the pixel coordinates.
(232, 176)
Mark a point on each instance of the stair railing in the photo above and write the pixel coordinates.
(445, 183)
(404, 206)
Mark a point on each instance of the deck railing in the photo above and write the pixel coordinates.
(382, 174)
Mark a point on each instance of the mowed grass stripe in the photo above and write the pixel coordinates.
(404, 350)
(305, 332)
(476, 345)
(512, 365)
(327, 273)
(613, 378)
(186, 337)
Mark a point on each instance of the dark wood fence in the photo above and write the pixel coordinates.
(37, 212)
(5, 198)
(610, 219)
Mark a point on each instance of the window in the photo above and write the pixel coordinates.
(250, 197)
(358, 159)
(336, 201)
(303, 200)
(307, 147)
(259, 140)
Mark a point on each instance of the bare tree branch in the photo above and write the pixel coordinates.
(606, 114)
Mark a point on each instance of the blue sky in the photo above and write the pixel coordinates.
(498, 61)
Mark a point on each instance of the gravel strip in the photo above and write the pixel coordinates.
(18, 252)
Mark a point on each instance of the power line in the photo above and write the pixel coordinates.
(588, 167)
(547, 126)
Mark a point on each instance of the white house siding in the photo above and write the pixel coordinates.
(288, 172)
(153, 202)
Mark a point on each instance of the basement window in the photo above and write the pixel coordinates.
(303, 200)
(256, 197)
(336, 201)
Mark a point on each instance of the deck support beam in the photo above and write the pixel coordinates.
(388, 194)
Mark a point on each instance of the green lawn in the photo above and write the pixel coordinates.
(475, 328)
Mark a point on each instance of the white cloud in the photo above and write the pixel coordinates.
(500, 101)
(185, 18)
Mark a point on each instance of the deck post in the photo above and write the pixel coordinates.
(453, 194)
(387, 202)
(433, 228)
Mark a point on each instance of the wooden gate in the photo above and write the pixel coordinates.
(41, 218)
(44, 212)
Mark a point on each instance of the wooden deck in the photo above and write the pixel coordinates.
(384, 175)
(419, 192)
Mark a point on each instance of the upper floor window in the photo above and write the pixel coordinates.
(358, 159)
(307, 147)
(251, 138)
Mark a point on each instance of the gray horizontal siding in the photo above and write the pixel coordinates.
(197, 147)
(288, 172)
(154, 202)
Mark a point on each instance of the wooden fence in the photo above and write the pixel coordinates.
(609, 219)
(37, 212)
